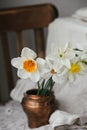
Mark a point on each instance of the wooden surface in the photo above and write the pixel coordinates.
(37, 16)
(16, 20)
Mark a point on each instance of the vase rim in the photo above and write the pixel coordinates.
(34, 96)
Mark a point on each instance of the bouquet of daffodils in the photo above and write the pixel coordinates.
(60, 66)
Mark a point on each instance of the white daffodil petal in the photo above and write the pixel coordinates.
(52, 56)
(84, 56)
(46, 75)
(58, 79)
(67, 46)
(55, 78)
(41, 61)
(71, 77)
(70, 55)
(35, 76)
(28, 53)
(60, 50)
(43, 71)
(50, 63)
(42, 66)
(57, 66)
(63, 72)
(83, 66)
(66, 62)
(23, 74)
(17, 62)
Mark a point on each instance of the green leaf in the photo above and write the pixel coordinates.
(43, 82)
(44, 87)
(85, 62)
(76, 49)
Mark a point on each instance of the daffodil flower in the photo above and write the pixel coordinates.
(52, 69)
(81, 56)
(64, 55)
(27, 65)
(69, 74)
(75, 70)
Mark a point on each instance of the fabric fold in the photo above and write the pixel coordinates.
(59, 118)
(21, 87)
(81, 14)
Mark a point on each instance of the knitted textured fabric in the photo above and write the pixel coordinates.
(12, 117)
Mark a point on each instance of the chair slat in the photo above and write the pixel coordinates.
(7, 60)
(39, 40)
(20, 41)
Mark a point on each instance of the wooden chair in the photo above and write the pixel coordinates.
(16, 20)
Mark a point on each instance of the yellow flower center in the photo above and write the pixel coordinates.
(75, 68)
(30, 65)
(52, 71)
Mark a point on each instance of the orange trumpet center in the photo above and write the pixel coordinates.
(30, 65)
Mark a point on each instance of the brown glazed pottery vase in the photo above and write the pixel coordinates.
(38, 108)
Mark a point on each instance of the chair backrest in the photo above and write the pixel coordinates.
(17, 19)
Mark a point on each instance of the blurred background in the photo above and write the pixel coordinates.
(65, 7)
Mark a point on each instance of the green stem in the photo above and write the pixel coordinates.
(43, 87)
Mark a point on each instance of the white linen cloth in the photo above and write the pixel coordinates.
(81, 14)
(68, 29)
(21, 87)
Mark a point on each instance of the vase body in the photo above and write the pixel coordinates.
(38, 108)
